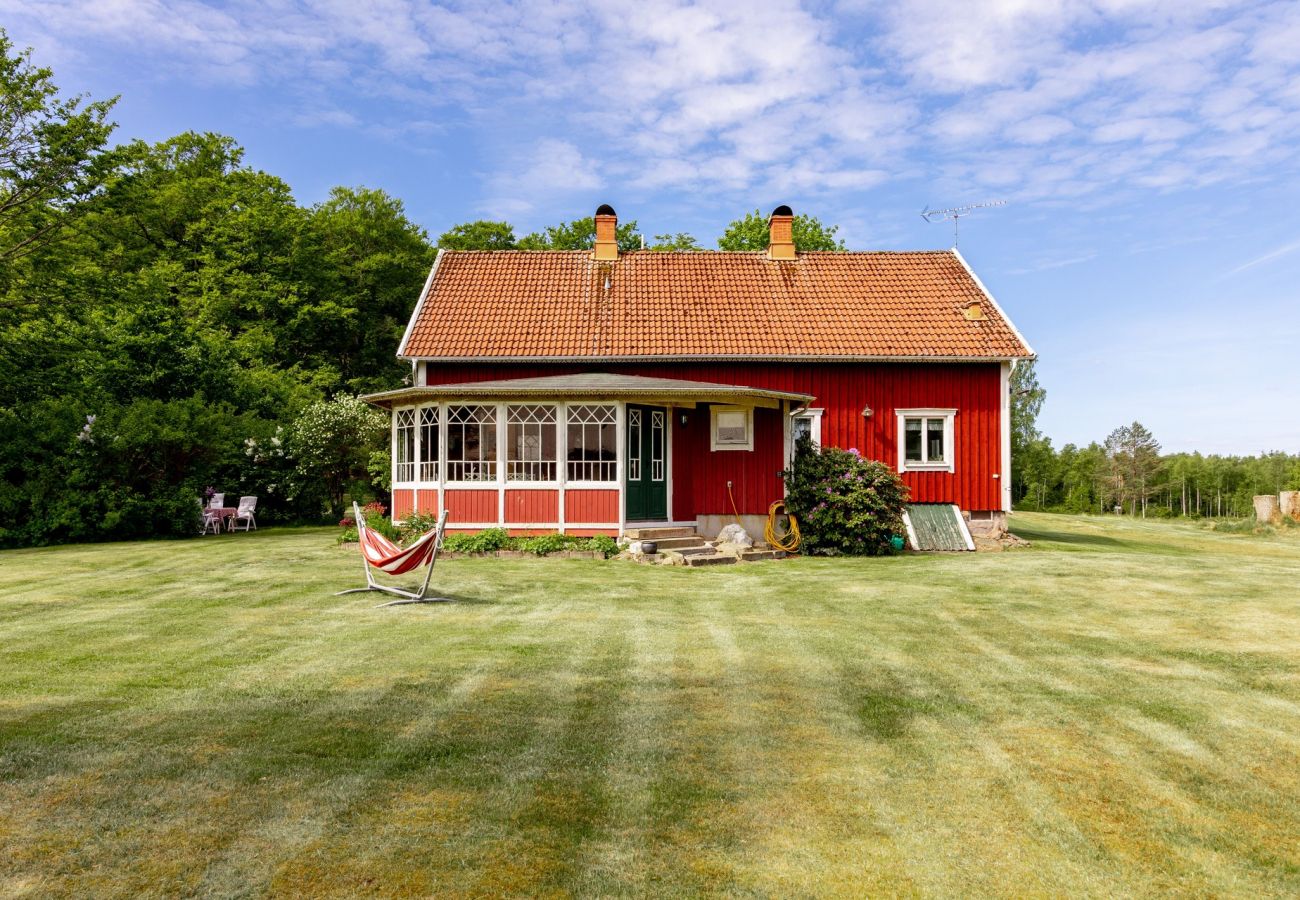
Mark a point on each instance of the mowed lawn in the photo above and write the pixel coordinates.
(1115, 710)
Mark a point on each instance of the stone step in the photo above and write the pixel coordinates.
(696, 550)
(655, 534)
(712, 559)
(674, 543)
(758, 555)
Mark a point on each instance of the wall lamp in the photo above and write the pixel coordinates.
(867, 412)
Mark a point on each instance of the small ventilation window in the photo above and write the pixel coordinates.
(732, 428)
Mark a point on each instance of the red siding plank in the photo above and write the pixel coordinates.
(532, 506)
(471, 506)
(589, 506)
(403, 503)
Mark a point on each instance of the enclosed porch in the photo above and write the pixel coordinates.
(586, 454)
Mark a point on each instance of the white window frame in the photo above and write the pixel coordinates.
(814, 416)
(949, 416)
(748, 412)
(422, 466)
(519, 471)
(611, 465)
(406, 436)
(458, 466)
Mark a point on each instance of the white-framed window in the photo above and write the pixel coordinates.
(925, 440)
(634, 444)
(404, 446)
(592, 442)
(658, 444)
(806, 422)
(531, 442)
(731, 428)
(428, 448)
(472, 442)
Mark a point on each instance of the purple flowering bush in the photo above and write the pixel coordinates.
(846, 505)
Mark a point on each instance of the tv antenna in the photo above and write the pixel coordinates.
(956, 214)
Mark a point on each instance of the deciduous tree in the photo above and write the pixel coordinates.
(750, 232)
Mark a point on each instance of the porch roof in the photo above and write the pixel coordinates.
(590, 386)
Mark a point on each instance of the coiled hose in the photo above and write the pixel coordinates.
(789, 542)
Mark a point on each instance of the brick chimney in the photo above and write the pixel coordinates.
(780, 226)
(606, 233)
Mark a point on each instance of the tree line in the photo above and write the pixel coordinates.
(173, 322)
(1126, 472)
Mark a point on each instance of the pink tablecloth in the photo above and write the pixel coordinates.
(225, 512)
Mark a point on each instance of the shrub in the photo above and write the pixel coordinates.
(487, 541)
(543, 544)
(845, 504)
(331, 444)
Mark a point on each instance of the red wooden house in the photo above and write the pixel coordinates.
(591, 391)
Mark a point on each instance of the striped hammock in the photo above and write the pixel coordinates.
(379, 553)
(387, 557)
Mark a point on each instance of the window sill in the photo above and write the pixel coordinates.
(926, 467)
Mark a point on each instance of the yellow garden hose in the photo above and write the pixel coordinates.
(789, 542)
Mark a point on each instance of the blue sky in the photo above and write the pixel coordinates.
(1148, 150)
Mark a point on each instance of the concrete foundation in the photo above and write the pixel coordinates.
(709, 526)
(986, 523)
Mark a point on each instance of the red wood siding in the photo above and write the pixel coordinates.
(590, 506)
(842, 389)
(403, 503)
(471, 506)
(426, 502)
(592, 532)
(532, 507)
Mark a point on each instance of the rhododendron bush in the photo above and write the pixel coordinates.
(845, 504)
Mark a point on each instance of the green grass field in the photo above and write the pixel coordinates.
(1115, 710)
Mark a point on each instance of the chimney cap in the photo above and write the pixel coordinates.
(783, 210)
(605, 210)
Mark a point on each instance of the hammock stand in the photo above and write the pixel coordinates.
(378, 552)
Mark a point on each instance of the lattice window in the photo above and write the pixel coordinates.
(471, 443)
(429, 443)
(404, 445)
(593, 443)
(634, 444)
(531, 442)
(657, 444)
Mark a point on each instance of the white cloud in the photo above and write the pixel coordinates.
(1038, 98)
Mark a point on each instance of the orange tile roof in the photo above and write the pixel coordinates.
(530, 305)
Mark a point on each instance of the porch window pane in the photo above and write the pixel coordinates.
(531, 443)
(934, 440)
(429, 443)
(912, 445)
(404, 445)
(657, 446)
(634, 444)
(471, 443)
(592, 443)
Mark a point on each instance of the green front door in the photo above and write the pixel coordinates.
(647, 464)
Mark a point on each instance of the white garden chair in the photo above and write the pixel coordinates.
(378, 552)
(217, 501)
(212, 520)
(247, 506)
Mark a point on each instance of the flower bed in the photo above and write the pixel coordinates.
(489, 542)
